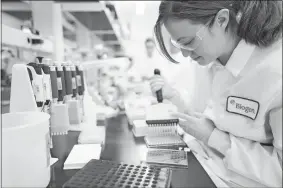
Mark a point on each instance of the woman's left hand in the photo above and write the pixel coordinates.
(196, 125)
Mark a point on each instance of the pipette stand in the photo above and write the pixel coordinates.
(75, 115)
(59, 129)
(22, 96)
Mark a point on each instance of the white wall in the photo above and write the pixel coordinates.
(141, 25)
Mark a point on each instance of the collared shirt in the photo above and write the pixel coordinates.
(246, 108)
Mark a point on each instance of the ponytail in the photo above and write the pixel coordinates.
(261, 21)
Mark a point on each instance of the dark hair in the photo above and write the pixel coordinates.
(260, 23)
(147, 40)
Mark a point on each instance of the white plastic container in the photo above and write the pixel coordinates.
(25, 149)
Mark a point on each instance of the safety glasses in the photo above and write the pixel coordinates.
(191, 44)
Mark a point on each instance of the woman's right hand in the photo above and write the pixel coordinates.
(158, 82)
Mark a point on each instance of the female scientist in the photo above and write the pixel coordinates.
(241, 126)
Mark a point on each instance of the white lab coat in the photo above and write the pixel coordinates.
(188, 79)
(245, 148)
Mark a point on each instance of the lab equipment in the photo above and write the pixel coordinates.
(25, 149)
(46, 81)
(90, 132)
(163, 134)
(54, 86)
(60, 82)
(102, 173)
(74, 104)
(74, 80)
(159, 92)
(81, 87)
(68, 80)
(167, 157)
(59, 118)
(36, 78)
(22, 95)
(140, 128)
(44, 63)
(80, 79)
(59, 129)
(135, 107)
(75, 115)
(59, 121)
(81, 154)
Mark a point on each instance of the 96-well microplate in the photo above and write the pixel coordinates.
(109, 174)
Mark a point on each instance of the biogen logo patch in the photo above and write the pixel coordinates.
(242, 106)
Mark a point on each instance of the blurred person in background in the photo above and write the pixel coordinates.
(154, 60)
(150, 47)
(144, 67)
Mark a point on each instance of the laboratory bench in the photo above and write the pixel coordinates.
(122, 146)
